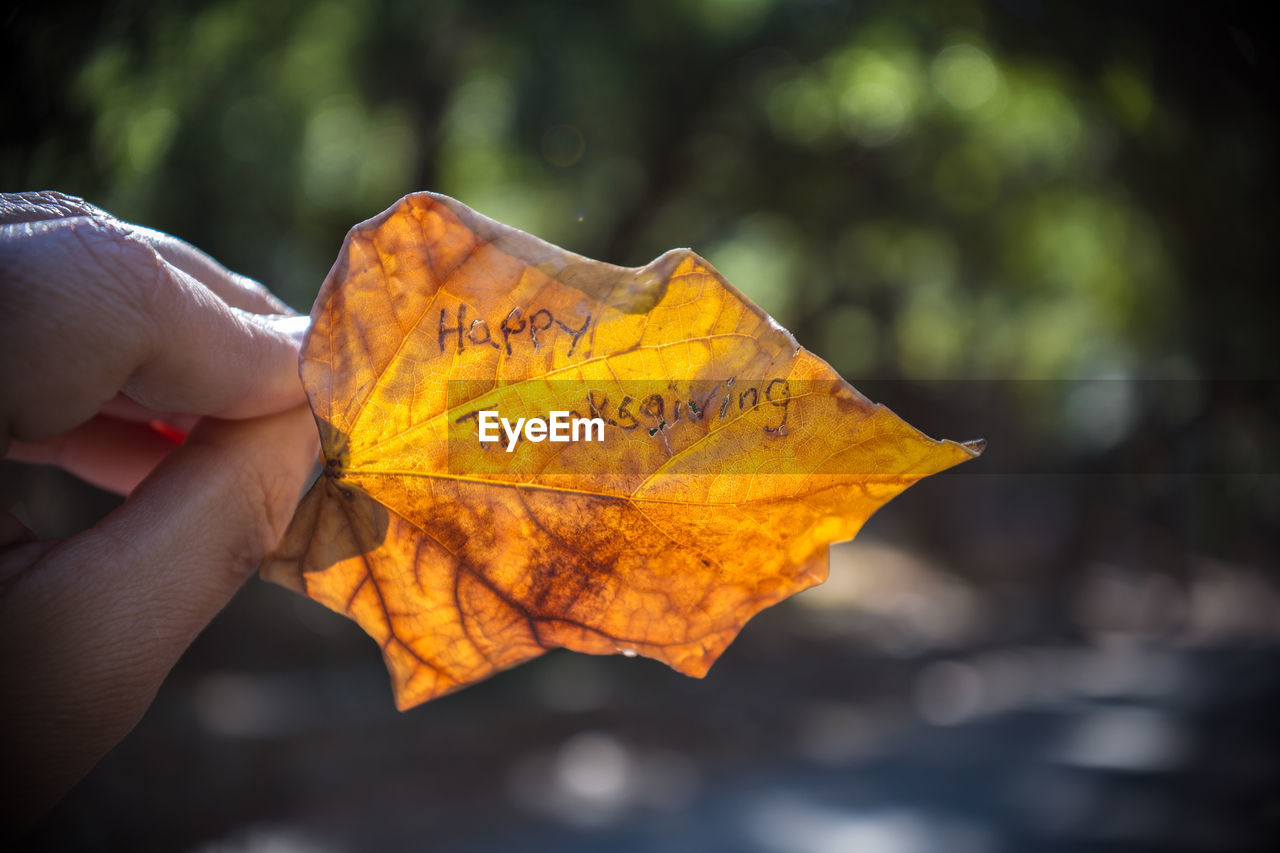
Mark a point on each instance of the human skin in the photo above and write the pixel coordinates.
(105, 330)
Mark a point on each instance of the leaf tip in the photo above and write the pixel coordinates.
(976, 446)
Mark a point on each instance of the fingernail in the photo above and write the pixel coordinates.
(293, 326)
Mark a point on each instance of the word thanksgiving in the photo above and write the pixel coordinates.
(560, 427)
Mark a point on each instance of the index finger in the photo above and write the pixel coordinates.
(236, 290)
(88, 311)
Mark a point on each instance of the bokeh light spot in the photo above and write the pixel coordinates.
(964, 76)
(878, 91)
(149, 136)
(563, 145)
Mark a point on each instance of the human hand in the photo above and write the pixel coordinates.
(106, 331)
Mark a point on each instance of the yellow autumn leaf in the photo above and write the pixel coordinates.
(714, 462)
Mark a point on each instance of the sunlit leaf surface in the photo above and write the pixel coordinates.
(728, 458)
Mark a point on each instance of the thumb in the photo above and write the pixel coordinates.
(90, 630)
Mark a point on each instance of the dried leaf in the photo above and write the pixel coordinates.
(731, 457)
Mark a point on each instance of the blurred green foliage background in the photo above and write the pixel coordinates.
(1050, 224)
(943, 189)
